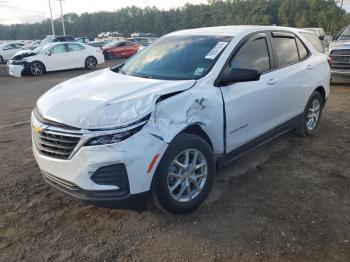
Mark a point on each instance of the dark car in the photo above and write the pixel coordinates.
(60, 38)
(84, 39)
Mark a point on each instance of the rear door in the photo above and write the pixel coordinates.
(295, 73)
(76, 55)
(251, 108)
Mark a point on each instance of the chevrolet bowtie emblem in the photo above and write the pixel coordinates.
(37, 129)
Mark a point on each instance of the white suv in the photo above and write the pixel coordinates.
(164, 120)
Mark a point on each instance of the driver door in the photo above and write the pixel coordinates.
(252, 107)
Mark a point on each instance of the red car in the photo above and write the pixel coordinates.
(120, 49)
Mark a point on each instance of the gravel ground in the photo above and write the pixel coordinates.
(288, 201)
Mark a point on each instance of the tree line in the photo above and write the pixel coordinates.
(294, 13)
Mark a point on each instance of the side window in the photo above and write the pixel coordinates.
(59, 49)
(253, 55)
(286, 50)
(302, 50)
(8, 47)
(75, 47)
(121, 45)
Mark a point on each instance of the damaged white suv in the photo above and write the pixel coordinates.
(167, 118)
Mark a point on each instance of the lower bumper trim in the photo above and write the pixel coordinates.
(92, 196)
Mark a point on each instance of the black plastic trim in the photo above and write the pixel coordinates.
(260, 140)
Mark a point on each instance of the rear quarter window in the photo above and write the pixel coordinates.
(314, 41)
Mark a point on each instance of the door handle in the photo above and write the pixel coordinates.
(271, 81)
(309, 67)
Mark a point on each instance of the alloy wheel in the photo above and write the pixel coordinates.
(36, 69)
(187, 175)
(313, 114)
(91, 63)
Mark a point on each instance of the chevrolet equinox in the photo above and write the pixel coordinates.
(163, 121)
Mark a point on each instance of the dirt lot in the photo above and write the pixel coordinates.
(288, 201)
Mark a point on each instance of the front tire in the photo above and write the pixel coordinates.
(1, 60)
(311, 116)
(36, 68)
(184, 176)
(90, 63)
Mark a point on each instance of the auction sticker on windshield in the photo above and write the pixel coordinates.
(216, 50)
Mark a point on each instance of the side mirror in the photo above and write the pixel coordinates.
(235, 75)
(48, 53)
(321, 37)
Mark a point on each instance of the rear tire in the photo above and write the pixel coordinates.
(311, 116)
(184, 176)
(36, 68)
(90, 63)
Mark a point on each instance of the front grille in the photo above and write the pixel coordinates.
(55, 144)
(340, 57)
(341, 52)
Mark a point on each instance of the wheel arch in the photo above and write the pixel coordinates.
(195, 129)
(322, 91)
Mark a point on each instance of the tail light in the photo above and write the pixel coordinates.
(330, 61)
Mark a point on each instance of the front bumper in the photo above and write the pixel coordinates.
(76, 175)
(15, 70)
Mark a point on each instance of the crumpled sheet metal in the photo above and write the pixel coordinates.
(15, 70)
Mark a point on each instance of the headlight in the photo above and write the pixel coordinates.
(112, 138)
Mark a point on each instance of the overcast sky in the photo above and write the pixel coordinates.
(30, 11)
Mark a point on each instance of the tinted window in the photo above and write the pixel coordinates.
(121, 44)
(314, 40)
(302, 50)
(74, 47)
(254, 55)
(177, 57)
(286, 50)
(58, 49)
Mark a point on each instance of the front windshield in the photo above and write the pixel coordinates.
(177, 57)
(48, 39)
(345, 35)
(42, 48)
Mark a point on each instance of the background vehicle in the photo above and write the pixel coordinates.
(7, 50)
(163, 120)
(60, 38)
(84, 40)
(120, 49)
(99, 44)
(313, 39)
(339, 53)
(55, 56)
(145, 41)
(32, 45)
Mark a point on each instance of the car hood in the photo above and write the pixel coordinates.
(23, 53)
(105, 99)
(341, 44)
